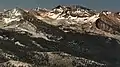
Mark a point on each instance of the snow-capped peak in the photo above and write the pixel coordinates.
(14, 12)
(12, 15)
(74, 9)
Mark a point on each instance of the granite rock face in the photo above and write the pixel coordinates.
(65, 36)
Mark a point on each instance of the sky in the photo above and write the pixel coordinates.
(113, 5)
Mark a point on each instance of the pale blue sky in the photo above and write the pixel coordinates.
(94, 4)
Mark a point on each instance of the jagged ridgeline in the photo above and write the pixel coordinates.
(74, 10)
(65, 36)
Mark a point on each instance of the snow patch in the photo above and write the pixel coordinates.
(16, 13)
(18, 43)
(8, 20)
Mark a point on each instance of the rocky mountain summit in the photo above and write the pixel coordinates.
(65, 36)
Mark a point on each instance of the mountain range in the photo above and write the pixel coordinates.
(65, 36)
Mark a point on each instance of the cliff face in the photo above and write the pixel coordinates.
(65, 36)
